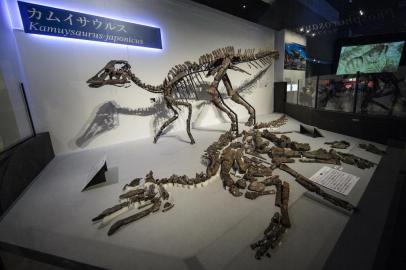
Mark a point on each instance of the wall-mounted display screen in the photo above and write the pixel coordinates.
(295, 56)
(292, 87)
(370, 58)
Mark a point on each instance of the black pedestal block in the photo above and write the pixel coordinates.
(20, 165)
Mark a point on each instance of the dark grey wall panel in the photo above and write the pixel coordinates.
(374, 128)
(20, 165)
(279, 96)
(300, 113)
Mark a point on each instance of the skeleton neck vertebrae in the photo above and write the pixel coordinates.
(182, 81)
(148, 87)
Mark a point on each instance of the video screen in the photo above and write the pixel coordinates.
(292, 87)
(370, 58)
(295, 56)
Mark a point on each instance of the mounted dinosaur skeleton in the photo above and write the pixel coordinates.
(182, 80)
(107, 116)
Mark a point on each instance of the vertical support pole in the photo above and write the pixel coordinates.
(316, 98)
(395, 82)
(297, 93)
(28, 109)
(354, 110)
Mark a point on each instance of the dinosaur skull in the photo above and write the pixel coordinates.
(115, 72)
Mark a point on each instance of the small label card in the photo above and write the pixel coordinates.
(336, 180)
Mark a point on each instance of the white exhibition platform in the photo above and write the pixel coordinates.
(207, 229)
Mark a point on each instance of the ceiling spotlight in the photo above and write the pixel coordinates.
(313, 34)
(307, 31)
(244, 6)
(361, 12)
(301, 29)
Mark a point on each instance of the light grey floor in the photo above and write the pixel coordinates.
(207, 229)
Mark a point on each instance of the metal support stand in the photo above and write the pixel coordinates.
(297, 93)
(354, 110)
(28, 109)
(316, 98)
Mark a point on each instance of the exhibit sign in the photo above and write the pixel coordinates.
(50, 21)
(295, 56)
(336, 180)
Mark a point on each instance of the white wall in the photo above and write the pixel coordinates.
(280, 46)
(56, 69)
(14, 123)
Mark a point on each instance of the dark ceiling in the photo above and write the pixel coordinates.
(349, 7)
(292, 14)
(276, 14)
(342, 16)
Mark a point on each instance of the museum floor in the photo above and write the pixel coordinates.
(207, 229)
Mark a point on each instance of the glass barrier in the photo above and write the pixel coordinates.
(307, 91)
(336, 93)
(373, 94)
(377, 93)
(399, 108)
(14, 120)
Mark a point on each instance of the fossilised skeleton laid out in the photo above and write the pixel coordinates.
(241, 163)
(182, 80)
(372, 148)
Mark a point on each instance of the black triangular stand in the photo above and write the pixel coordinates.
(99, 178)
(310, 131)
(317, 133)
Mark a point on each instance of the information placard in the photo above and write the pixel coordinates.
(50, 21)
(335, 180)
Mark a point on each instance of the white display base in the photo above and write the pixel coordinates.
(207, 228)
